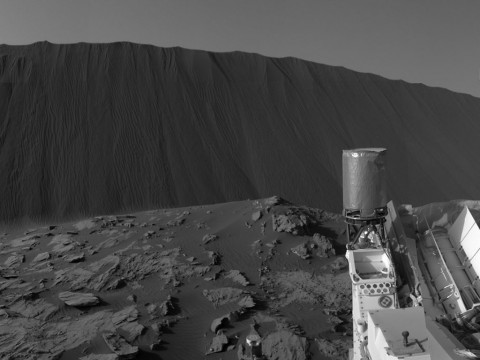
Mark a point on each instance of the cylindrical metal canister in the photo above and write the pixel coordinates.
(364, 180)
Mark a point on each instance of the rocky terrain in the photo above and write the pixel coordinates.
(91, 129)
(185, 283)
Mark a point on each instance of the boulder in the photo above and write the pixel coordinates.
(218, 344)
(295, 224)
(120, 346)
(324, 245)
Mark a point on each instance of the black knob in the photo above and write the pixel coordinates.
(405, 338)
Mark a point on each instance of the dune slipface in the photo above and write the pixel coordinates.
(99, 128)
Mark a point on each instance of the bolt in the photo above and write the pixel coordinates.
(405, 338)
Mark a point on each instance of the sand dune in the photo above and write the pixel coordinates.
(101, 128)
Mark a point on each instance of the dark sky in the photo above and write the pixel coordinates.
(436, 42)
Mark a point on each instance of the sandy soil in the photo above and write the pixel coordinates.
(178, 284)
(100, 128)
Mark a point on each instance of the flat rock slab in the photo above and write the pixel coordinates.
(41, 257)
(222, 296)
(74, 258)
(78, 299)
(128, 314)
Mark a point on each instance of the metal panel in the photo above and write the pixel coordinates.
(471, 247)
(461, 227)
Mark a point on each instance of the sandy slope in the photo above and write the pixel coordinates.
(168, 274)
(90, 128)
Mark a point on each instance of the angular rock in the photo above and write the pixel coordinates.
(163, 309)
(131, 330)
(223, 321)
(128, 314)
(116, 284)
(175, 222)
(209, 238)
(302, 250)
(78, 299)
(157, 345)
(247, 302)
(120, 346)
(296, 224)
(215, 258)
(167, 307)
